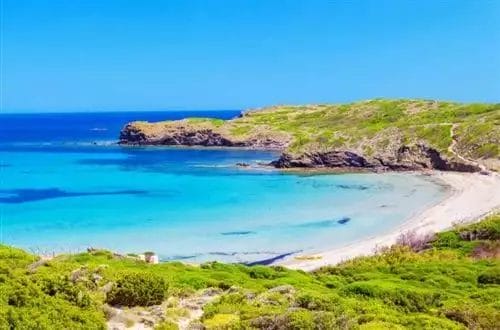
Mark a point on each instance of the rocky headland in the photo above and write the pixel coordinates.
(374, 135)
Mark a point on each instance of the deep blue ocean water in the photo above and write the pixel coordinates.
(60, 192)
(84, 127)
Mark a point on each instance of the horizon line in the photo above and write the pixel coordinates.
(116, 109)
(29, 112)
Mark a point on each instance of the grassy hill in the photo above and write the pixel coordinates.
(383, 132)
(451, 281)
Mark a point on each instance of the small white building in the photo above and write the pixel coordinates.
(152, 259)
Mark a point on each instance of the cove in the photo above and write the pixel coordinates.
(193, 204)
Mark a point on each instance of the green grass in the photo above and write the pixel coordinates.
(453, 284)
(374, 129)
(355, 126)
(480, 139)
(211, 121)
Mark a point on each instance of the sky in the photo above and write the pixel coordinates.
(94, 55)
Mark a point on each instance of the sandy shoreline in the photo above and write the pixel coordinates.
(470, 196)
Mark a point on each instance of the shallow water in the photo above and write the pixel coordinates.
(191, 204)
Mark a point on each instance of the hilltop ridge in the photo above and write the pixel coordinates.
(375, 134)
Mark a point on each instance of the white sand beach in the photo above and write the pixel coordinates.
(471, 196)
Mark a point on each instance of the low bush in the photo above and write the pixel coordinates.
(261, 272)
(325, 302)
(472, 317)
(487, 229)
(404, 296)
(491, 276)
(137, 289)
(166, 325)
(63, 287)
(416, 242)
(222, 322)
(448, 239)
(300, 320)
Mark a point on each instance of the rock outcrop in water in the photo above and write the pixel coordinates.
(418, 157)
(374, 135)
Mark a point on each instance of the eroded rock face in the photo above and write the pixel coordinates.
(322, 159)
(134, 135)
(204, 137)
(417, 157)
(397, 157)
(420, 156)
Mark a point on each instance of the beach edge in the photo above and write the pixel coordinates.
(471, 196)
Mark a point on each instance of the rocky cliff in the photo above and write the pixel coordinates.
(374, 135)
(417, 157)
(198, 133)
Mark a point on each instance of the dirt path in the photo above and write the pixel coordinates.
(186, 311)
(453, 151)
(195, 307)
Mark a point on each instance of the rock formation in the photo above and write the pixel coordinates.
(417, 157)
(374, 135)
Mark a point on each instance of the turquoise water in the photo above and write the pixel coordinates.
(57, 195)
(192, 204)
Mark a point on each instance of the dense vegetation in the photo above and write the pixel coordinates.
(451, 281)
(374, 128)
(134, 289)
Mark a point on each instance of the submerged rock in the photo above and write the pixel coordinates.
(242, 164)
(237, 233)
(344, 220)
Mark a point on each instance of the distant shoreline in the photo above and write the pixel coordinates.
(471, 196)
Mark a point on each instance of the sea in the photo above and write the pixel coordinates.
(66, 186)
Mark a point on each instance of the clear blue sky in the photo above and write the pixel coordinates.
(63, 55)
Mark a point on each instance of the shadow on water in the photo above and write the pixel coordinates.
(237, 233)
(269, 261)
(324, 223)
(18, 196)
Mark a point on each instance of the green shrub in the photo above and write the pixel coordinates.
(261, 272)
(295, 320)
(491, 276)
(378, 325)
(19, 296)
(300, 320)
(167, 325)
(62, 287)
(408, 298)
(487, 229)
(487, 150)
(268, 322)
(138, 289)
(472, 317)
(222, 322)
(323, 302)
(329, 320)
(448, 239)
